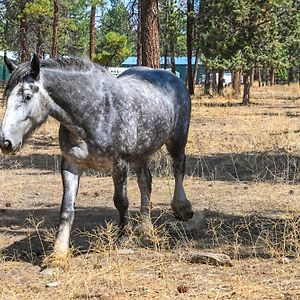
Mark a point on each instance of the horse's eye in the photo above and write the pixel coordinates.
(28, 97)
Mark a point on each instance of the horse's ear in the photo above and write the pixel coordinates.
(9, 64)
(35, 67)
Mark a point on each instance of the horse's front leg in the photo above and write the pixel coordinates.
(70, 177)
(119, 174)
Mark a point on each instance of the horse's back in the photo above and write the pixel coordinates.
(152, 82)
(145, 73)
(158, 77)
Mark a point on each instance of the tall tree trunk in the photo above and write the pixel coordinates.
(139, 35)
(54, 50)
(236, 83)
(92, 32)
(150, 37)
(189, 43)
(196, 66)
(172, 54)
(259, 77)
(207, 83)
(166, 59)
(4, 68)
(247, 86)
(256, 74)
(272, 75)
(221, 81)
(266, 76)
(262, 76)
(173, 65)
(40, 40)
(25, 55)
(291, 77)
(214, 81)
(251, 77)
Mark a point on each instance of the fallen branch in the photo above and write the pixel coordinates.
(209, 258)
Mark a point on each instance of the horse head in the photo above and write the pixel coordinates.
(26, 106)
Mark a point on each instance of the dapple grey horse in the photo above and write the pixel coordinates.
(105, 122)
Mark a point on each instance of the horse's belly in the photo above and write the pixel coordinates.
(99, 162)
(85, 159)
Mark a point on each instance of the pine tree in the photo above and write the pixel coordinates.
(150, 35)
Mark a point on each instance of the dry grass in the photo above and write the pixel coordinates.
(242, 180)
(221, 125)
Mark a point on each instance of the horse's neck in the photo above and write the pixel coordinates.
(74, 95)
(66, 120)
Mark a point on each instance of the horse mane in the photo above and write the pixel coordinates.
(60, 63)
(67, 63)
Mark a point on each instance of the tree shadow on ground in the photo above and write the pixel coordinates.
(221, 104)
(32, 161)
(248, 166)
(238, 236)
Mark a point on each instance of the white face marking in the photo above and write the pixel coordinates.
(26, 109)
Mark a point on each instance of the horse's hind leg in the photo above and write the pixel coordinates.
(119, 175)
(182, 208)
(144, 180)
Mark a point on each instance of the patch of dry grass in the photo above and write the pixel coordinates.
(220, 125)
(106, 272)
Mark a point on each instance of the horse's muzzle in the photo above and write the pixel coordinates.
(7, 146)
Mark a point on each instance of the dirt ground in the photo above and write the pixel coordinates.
(242, 179)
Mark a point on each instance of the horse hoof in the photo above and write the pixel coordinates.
(146, 241)
(183, 211)
(57, 261)
(122, 241)
(144, 227)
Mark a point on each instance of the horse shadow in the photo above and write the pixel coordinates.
(238, 236)
(33, 230)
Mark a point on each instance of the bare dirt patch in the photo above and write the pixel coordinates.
(243, 174)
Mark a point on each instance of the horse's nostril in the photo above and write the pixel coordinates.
(7, 145)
